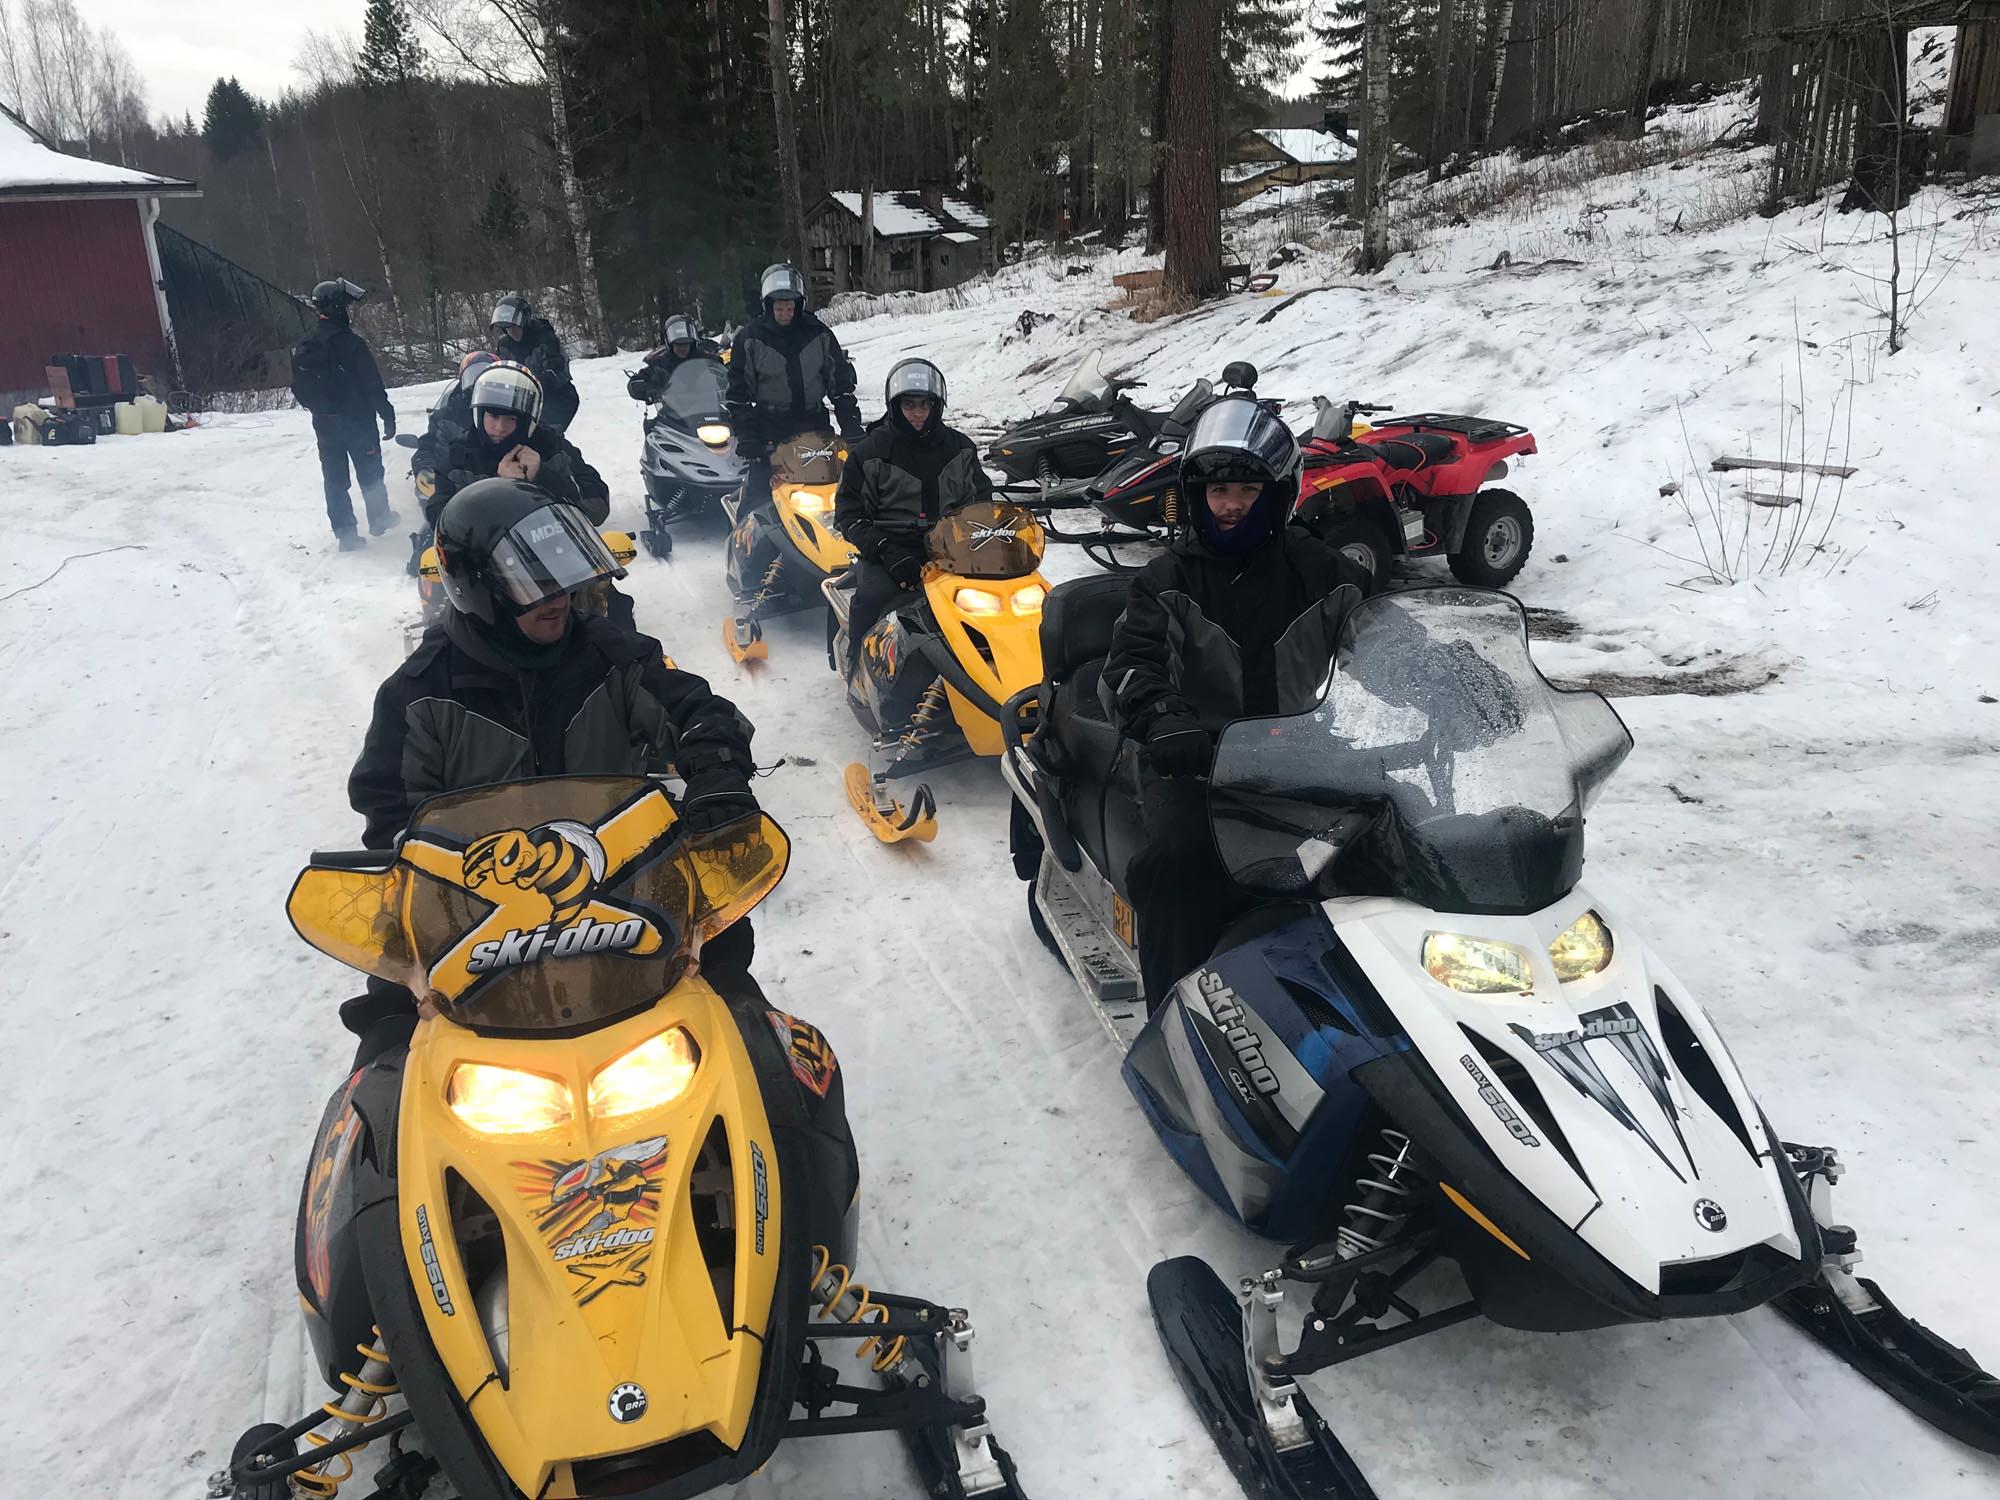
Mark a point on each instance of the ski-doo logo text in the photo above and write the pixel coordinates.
(432, 1272)
(1232, 1019)
(1548, 1041)
(1516, 1127)
(514, 947)
(602, 1244)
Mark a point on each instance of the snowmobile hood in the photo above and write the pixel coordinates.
(1609, 1097)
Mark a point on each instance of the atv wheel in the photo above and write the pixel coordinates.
(1499, 534)
(1362, 542)
(258, 1437)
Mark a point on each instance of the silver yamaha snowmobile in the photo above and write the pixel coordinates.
(689, 462)
(1426, 1041)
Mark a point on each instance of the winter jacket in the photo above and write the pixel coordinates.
(898, 481)
(1218, 639)
(564, 473)
(650, 383)
(782, 379)
(449, 419)
(357, 383)
(542, 352)
(458, 715)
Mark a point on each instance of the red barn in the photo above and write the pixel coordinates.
(79, 264)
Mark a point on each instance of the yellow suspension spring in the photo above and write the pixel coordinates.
(842, 1299)
(1170, 506)
(929, 709)
(771, 573)
(367, 1400)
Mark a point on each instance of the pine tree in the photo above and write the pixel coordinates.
(1337, 31)
(501, 220)
(390, 53)
(232, 122)
(1260, 47)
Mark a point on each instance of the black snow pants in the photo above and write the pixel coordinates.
(875, 594)
(1181, 895)
(345, 437)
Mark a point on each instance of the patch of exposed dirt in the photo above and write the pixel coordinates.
(1723, 680)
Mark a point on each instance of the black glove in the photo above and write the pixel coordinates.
(388, 423)
(714, 798)
(1179, 746)
(850, 433)
(902, 563)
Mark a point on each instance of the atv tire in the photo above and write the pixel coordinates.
(1364, 543)
(1499, 534)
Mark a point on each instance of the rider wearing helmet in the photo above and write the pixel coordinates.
(334, 377)
(683, 343)
(785, 369)
(520, 336)
(451, 415)
(907, 472)
(1216, 629)
(514, 682)
(508, 440)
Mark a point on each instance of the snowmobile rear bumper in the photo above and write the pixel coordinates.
(1563, 1284)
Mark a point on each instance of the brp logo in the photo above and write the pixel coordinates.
(628, 1402)
(1709, 1215)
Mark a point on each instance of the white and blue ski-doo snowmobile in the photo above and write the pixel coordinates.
(1427, 1041)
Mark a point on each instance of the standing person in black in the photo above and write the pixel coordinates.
(1236, 619)
(785, 369)
(907, 472)
(334, 377)
(520, 336)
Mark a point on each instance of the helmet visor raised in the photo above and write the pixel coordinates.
(550, 551)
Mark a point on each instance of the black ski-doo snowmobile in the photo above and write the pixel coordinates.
(688, 464)
(1090, 424)
(591, 1234)
(1426, 1041)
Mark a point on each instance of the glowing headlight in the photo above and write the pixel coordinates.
(811, 502)
(715, 434)
(1583, 949)
(653, 1073)
(1028, 601)
(977, 602)
(1477, 966)
(506, 1101)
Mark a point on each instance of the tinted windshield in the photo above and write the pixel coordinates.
(987, 540)
(809, 458)
(544, 904)
(1439, 765)
(695, 388)
(1087, 387)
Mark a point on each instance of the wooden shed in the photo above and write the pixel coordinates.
(894, 241)
(1272, 156)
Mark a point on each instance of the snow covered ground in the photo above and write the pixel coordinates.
(1815, 857)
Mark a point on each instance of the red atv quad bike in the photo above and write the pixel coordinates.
(1413, 487)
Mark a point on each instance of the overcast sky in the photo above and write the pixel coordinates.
(180, 47)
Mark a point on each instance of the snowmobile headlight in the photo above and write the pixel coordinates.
(506, 1101)
(1028, 601)
(977, 601)
(1583, 949)
(1477, 966)
(811, 502)
(715, 434)
(655, 1072)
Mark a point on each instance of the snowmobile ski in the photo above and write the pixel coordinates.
(889, 820)
(744, 638)
(1201, 1325)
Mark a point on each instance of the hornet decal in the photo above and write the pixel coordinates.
(597, 1214)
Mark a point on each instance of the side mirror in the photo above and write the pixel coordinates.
(1241, 374)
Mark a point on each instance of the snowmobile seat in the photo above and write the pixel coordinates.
(1077, 620)
(1414, 450)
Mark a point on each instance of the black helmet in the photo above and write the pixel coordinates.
(1236, 440)
(505, 386)
(333, 298)
(505, 545)
(681, 330)
(782, 282)
(512, 313)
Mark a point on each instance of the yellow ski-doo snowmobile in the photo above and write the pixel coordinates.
(591, 1235)
(932, 677)
(783, 547)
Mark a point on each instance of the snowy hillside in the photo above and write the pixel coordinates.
(1808, 824)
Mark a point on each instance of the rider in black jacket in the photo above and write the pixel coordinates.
(507, 440)
(907, 472)
(520, 336)
(1236, 619)
(334, 377)
(684, 342)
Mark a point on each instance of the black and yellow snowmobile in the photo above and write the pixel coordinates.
(591, 1235)
(783, 547)
(932, 676)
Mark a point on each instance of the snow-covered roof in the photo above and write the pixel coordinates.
(966, 214)
(961, 236)
(29, 169)
(892, 216)
(1310, 147)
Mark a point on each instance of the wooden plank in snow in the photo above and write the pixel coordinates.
(1770, 501)
(1783, 466)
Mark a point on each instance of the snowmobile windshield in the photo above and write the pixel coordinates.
(554, 550)
(1087, 387)
(694, 391)
(987, 540)
(543, 905)
(1438, 765)
(810, 458)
